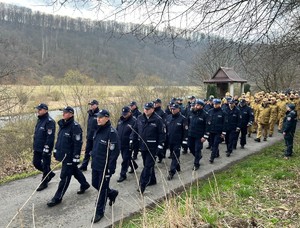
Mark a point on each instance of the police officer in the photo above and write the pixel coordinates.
(177, 127)
(134, 109)
(197, 134)
(189, 104)
(158, 110)
(67, 150)
(233, 126)
(91, 127)
(289, 128)
(104, 158)
(216, 123)
(43, 143)
(181, 106)
(135, 112)
(246, 122)
(124, 129)
(149, 132)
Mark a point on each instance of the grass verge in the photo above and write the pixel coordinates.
(261, 191)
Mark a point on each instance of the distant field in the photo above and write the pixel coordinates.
(26, 97)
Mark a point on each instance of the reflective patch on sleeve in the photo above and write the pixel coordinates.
(186, 127)
(289, 119)
(49, 131)
(77, 137)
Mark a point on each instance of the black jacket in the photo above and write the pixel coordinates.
(290, 122)
(92, 123)
(151, 131)
(216, 121)
(44, 133)
(124, 130)
(69, 141)
(136, 112)
(105, 149)
(177, 128)
(197, 123)
(233, 119)
(247, 115)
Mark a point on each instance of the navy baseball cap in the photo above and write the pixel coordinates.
(125, 110)
(200, 102)
(217, 101)
(157, 100)
(103, 113)
(174, 106)
(93, 102)
(132, 103)
(67, 109)
(41, 106)
(291, 106)
(191, 97)
(148, 105)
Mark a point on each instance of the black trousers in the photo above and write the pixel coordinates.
(67, 171)
(41, 162)
(244, 131)
(289, 141)
(195, 146)
(127, 161)
(215, 141)
(105, 191)
(175, 154)
(231, 139)
(148, 174)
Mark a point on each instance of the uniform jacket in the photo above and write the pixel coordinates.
(124, 130)
(247, 115)
(92, 123)
(151, 130)
(44, 133)
(274, 112)
(262, 114)
(233, 119)
(105, 148)
(69, 141)
(216, 121)
(177, 129)
(197, 123)
(136, 112)
(161, 113)
(290, 122)
(281, 108)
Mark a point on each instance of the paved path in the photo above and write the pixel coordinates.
(77, 210)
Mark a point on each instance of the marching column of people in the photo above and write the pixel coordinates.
(152, 133)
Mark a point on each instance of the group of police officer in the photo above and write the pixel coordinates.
(151, 133)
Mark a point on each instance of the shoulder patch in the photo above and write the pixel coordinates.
(112, 130)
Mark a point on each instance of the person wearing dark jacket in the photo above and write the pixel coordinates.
(104, 160)
(43, 143)
(246, 122)
(288, 129)
(177, 128)
(233, 126)
(149, 132)
(91, 127)
(158, 110)
(67, 150)
(124, 129)
(135, 112)
(197, 134)
(216, 128)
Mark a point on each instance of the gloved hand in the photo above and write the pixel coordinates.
(76, 160)
(46, 150)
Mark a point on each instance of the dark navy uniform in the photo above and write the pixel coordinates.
(247, 121)
(197, 130)
(233, 126)
(91, 128)
(124, 129)
(163, 116)
(136, 112)
(67, 149)
(288, 130)
(43, 143)
(216, 128)
(104, 158)
(177, 128)
(151, 138)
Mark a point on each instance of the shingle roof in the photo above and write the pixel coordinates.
(225, 74)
